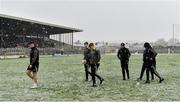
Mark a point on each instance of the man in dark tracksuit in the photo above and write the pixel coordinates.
(148, 57)
(124, 55)
(86, 60)
(144, 67)
(94, 59)
(34, 64)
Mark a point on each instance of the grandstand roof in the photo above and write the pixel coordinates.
(18, 25)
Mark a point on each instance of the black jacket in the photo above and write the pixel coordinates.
(86, 53)
(123, 54)
(94, 56)
(149, 56)
(34, 56)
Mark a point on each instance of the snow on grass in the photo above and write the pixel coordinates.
(62, 79)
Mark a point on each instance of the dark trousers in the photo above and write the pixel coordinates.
(86, 67)
(93, 73)
(143, 70)
(153, 70)
(125, 69)
(97, 65)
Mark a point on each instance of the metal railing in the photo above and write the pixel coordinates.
(42, 51)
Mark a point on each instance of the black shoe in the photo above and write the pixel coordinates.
(152, 79)
(101, 81)
(86, 80)
(94, 85)
(162, 79)
(138, 79)
(147, 82)
(124, 78)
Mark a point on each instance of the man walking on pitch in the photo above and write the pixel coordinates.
(144, 68)
(94, 59)
(34, 64)
(86, 60)
(148, 57)
(124, 55)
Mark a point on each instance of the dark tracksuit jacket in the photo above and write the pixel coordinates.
(86, 65)
(94, 59)
(34, 59)
(148, 55)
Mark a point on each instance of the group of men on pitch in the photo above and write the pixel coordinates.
(92, 60)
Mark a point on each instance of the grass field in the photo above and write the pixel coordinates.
(62, 79)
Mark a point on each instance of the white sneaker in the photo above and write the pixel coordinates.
(34, 86)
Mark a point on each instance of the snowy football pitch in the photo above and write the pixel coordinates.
(62, 79)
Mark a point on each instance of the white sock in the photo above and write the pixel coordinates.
(35, 84)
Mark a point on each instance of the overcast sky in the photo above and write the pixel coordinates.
(109, 20)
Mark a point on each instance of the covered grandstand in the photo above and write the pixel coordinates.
(16, 32)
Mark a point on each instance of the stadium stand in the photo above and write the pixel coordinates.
(16, 32)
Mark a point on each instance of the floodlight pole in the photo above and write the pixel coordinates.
(173, 37)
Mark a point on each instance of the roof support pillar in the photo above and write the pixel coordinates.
(72, 39)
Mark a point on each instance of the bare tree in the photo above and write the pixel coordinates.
(161, 43)
(173, 42)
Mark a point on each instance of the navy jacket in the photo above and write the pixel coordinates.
(34, 56)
